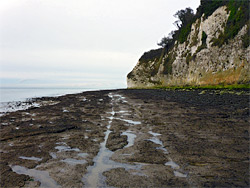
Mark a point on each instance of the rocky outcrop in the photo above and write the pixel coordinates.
(198, 61)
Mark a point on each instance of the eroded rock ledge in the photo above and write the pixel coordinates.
(153, 138)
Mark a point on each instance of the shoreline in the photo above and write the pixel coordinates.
(156, 138)
(14, 94)
(31, 101)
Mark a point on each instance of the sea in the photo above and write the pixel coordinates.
(13, 99)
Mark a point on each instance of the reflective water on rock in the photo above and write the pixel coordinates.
(123, 111)
(154, 134)
(94, 177)
(74, 161)
(53, 155)
(179, 174)
(41, 176)
(102, 162)
(82, 155)
(130, 121)
(31, 158)
(156, 141)
(131, 138)
(159, 142)
(172, 164)
(66, 148)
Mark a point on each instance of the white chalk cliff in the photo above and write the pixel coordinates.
(195, 62)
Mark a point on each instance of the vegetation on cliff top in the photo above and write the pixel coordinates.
(152, 55)
(239, 16)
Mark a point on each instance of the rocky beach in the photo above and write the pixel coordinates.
(129, 138)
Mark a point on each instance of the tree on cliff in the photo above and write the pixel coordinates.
(185, 17)
(166, 42)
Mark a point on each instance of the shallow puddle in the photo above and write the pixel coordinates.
(66, 148)
(112, 113)
(165, 151)
(119, 96)
(31, 158)
(41, 176)
(74, 161)
(131, 138)
(53, 155)
(65, 137)
(94, 177)
(82, 155)
(130, 121)
(172, 164)
(156, 141)
(159, 142)
(102, 162)
(154, 134)
(179, 174)
(123, 111)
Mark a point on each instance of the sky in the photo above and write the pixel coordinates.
(80, 43)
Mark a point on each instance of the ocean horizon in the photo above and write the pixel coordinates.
(12, 94)
(15, 98)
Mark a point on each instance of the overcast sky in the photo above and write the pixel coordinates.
(79, 43)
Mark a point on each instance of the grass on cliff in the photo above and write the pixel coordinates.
(209, 87)
(152, 55)
(238, 17)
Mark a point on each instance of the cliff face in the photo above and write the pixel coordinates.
(198, 61)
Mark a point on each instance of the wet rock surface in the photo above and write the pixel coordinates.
(152, 138)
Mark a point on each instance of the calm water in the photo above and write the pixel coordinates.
(21, 94)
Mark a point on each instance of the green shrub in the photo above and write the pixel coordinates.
(238, 17)
(152, 55)
(204, 38)
(207, 7)
(203, 45)
(184, 32)
(168, 63)
(195, 36)
(246, 38)
(157, 64)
